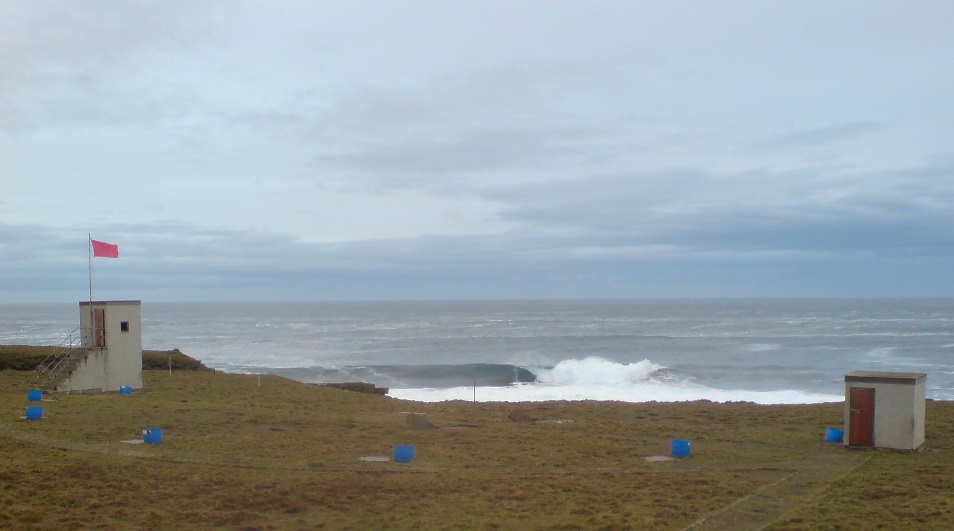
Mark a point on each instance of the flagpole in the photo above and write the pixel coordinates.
(89, 252)
(105, 250)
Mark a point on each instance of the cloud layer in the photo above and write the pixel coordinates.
(476, 150)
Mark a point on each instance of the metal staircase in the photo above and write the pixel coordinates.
(60, 364)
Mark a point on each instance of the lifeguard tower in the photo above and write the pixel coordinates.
(108, 354)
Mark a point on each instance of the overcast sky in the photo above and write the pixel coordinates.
(276, 150)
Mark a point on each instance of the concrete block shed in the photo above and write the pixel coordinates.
(885, 409)
(103, 354)
(112, 340)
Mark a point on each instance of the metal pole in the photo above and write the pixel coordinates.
(89, 252)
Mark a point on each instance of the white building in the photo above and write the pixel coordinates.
(885, 409)
(110, 356)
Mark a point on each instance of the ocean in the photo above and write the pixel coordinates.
(764, 351)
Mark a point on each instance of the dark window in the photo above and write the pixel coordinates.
(124, 326)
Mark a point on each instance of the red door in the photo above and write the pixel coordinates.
(861, 422)
(99, 328)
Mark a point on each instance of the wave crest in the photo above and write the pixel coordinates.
(596, 370)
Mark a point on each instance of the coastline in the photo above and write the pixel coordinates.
(28, 357)
(662, 350)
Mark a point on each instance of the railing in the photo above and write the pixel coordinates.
(62, 355)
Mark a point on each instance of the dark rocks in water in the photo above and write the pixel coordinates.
(524, 375)
(358, 387)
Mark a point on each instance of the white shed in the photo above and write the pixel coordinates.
(112, 345)
(885, 409)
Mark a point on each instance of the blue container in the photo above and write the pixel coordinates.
(125, 390)
(35, 395)
(152, 435)
(34, 412)
(679, 447)
(834, 435)
(403, 454)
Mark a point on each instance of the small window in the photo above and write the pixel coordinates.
(124, 326)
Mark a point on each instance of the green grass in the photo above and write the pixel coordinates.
(280, 455)
(29, 357)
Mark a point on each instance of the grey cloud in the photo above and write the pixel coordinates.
(761, 211)
(82, 63)
(588, 151)
(22, 246)
(821, 136)
(184, 262)
(513, 118)
(455, 158)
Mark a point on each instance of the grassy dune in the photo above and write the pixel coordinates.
(241, 452)
(28, 357)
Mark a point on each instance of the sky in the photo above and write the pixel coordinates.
(337, 150)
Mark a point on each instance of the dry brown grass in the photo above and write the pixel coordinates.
(283, 455)
(28, 357)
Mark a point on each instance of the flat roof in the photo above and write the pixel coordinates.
(87, 303)
(885, 377)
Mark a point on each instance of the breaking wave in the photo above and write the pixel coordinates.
(595, 370)
(591, 378)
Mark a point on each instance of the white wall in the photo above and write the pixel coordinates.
(899, 410)
(123, 349)
(894, 416)
(88, 375)
(119, 364)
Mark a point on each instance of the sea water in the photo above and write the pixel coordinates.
(764, 351)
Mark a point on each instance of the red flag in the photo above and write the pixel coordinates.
(104, 250)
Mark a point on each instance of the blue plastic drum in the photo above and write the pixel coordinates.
(403, 454)
(152, 435)
(679, 448)
(834, 435)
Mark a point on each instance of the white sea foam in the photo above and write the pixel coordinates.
(595, 371)
(596, 378)
(642, 392)
(762, 347)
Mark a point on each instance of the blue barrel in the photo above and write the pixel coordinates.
(403, 454)
(152, 435)
(834, 435)
(34, 412)
(126, 390)
(679, 447)
(35, 395)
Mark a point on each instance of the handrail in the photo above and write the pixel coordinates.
(54, 363)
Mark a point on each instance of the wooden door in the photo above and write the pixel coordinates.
(99, 328)
(861, 422)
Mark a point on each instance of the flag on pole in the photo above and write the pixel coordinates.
(104, 250)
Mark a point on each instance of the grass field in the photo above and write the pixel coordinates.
(243, 452)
